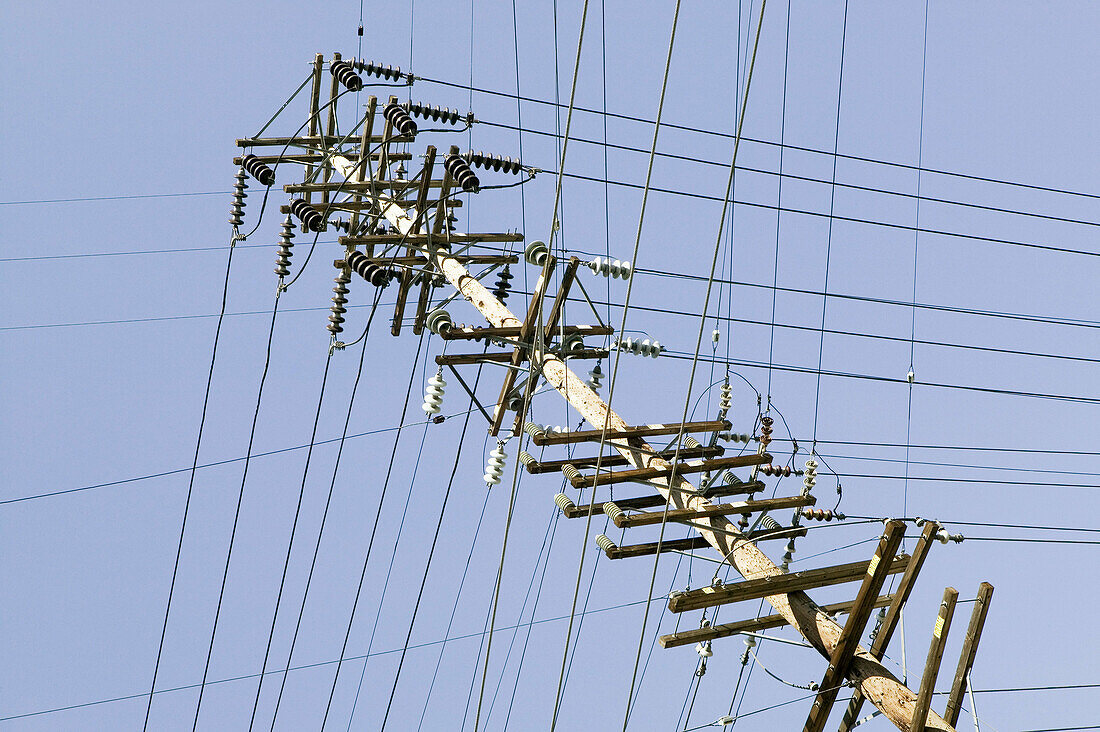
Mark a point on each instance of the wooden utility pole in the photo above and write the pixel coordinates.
(874, 680)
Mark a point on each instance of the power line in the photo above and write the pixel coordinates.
(771, 143)
(116, 198)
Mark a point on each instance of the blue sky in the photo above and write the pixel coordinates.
(123, 118)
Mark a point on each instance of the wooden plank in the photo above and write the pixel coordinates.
(615, 459)
(437, 228)
(455, 334)
(840, 660)
(932, 665)
(405, 282)
(414, 261)
(645, 430)
(526, 331)
(969, 651)
(457, 359)
(421, 239)
(310, 140)
(893, 615)
(302, 158)
(362, 161)
(626, 521)
(777, 584)
(314, 123)
(752, 625)
(695, 542)
(662, 471)
(422, 195)
(330, 128)
(633, 503)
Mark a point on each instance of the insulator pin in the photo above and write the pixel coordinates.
(286, 245)
(257, 169)
(400, 119)
(536, 253)
(460, 171)
(236, 213)
(369, 270)
(494, 468)
(435, 114)
(612, 511)
(433, 394)
(943, 537)
(439, 321)
(527, 459)
(691, 443)
(534, 430)
(307, 214)
(346, 75)
(640, 347)
(495, 163)
(611, 268)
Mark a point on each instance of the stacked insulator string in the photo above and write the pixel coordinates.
(368, 269)
(784, 471)
(595, 378)
(536, 253)
(494, 468)
(236, 213)
(435, 114)
(735, 437)
(460, 171)
(433, 393)
(258, 170)
(766, 423)
(346, 75)
(611, 268)
(640, 347)
(400, 119)
(339, 303)
(504, 284)
(810, 479)
(286, 245)
(310, 217)
(496, 163)
(724, 399)
(822, 514)
(390, 73)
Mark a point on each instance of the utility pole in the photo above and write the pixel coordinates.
(422, 226)
(875, 681)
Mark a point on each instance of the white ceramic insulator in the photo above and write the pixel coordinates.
(433, 394)
(612, 268)
(494, 468)
(640, 347)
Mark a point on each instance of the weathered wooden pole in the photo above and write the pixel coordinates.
(880, 687)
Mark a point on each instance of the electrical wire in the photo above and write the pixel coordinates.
(328, 503)
(237, 512)
(190, 482)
